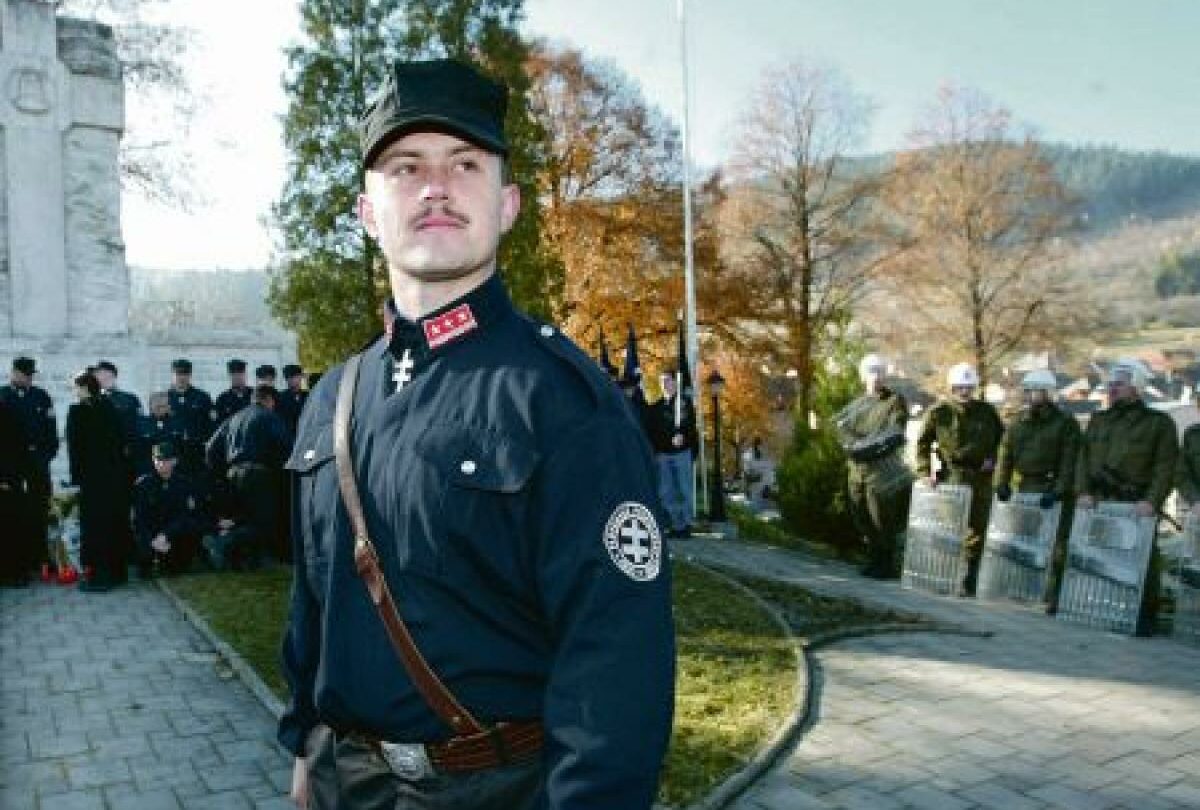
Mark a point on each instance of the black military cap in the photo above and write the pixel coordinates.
(182, 366)
(25, 365)
(165, 450)
(441, 94)
(264, 371)
(106, 365)
(235, 366)
(292, 370)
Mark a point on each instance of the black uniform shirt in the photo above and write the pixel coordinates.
(230, 401)
(35, 414)
(172, 506)
(193, 408)
(289, 406)
(253, 435)
(512, 501)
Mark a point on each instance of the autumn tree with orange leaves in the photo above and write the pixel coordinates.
(977, 218)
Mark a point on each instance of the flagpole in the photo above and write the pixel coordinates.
(688, 269)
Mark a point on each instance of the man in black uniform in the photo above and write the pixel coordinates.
(510, 498)
(247, 452)
(168, 514)
(291, 399)
(129, 413)
(265, 375)
(39, 430)
(238, 395)
(14, 563)
(193, 409)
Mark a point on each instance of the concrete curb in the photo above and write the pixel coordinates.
(787, 734)
(243, 670)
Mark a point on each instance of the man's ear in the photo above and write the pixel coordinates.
(510, 203)
(366, 214)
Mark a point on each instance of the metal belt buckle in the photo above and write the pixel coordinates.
(407, 760)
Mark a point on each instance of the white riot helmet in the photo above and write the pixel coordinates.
(1132, 368)
(962, 375)
(872, 364)
(1039, 379)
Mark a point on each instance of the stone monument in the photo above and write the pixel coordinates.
(64, 283)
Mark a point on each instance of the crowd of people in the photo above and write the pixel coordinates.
(1129, 453)
(190, 480)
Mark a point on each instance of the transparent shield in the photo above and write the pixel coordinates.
(1016, 555)
(1107, 559)
(1187, 597)
(937, 524)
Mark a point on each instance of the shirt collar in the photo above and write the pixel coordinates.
(449, 325)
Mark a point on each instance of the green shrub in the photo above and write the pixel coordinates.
(812, 473)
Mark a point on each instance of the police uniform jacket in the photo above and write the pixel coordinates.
(1137, 442)
(1187, 476)
(172, 506)
(1040, 447)
(967, 435)
(230, 401)
(512, 501)
(35, 415)
(253, 435)
(870, 415)
(193, 408)
(662, 426)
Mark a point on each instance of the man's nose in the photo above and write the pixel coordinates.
(436, 184)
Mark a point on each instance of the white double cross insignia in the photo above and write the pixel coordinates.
(637, 548)
(402, 375)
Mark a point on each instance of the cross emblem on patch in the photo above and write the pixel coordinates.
(402, 370)
(634, 542)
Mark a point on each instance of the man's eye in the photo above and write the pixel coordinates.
(467, 166)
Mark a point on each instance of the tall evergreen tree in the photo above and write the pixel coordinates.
(331, 282)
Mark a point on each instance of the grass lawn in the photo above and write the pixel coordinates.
(736, 672)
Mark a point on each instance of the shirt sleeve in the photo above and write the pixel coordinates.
(1166, 453)
(604, 582)
(301, 650)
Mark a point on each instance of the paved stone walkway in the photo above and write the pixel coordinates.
(1040, 714)
(114, 701)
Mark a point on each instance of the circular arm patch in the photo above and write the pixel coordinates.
(634, 542)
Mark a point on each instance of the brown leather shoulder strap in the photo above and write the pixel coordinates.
(435, 693)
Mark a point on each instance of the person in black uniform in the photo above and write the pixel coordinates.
(671, 422)
(95, 444)
(237, 396)
(511, 499)
(266, 375)
(248, 452)
(129, 412)
(194, 412)
(168, 514)
(291, 399)
(14, 562)
(158, 426)
(39, 431)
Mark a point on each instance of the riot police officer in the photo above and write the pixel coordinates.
(967, 432)
(237, 396)
(505, 491)
(871, 429)
(193, 409)
(1037, 454)
(39, 430)
(1128, 454)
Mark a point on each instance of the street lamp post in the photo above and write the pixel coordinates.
(716, 503)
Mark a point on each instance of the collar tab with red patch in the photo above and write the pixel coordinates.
(450, 326)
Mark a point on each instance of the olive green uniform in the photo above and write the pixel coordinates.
(1187, 472)
(878, 502)
(967, 435)
(1137, 445)
(1038, 454)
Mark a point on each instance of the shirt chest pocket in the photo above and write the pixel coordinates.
(484, 477)
(314, 508)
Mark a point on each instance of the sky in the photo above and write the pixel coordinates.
(1114, 72)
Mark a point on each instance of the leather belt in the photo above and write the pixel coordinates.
(503, 743)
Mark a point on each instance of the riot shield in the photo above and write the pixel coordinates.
(1107, 559)
(937, 525)
(1187, 598)
(1016, 556)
